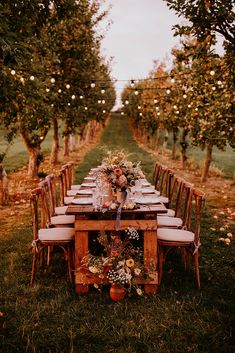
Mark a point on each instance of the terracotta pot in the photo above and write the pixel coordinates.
(117, 292)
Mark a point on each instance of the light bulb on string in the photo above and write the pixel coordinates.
(175, 106)
(184, 96)
(102, 91)
(81, 97)
(104, 111)
(92, 84)
(172, 80)
(99, 101)
(59, 90)
(122, 113)
(86, 108)
(139, 107)
(168, 91)
(67, 86)
(158, 113)
(140, 114)
(73, 96)
(68, 104)
(132, 83)
(136, 92)
(22, 79)
(13, 72)
(212, 72)
(103, 101)
(126, 102)
(47, 90)
(52, 80)
(155, 101)
(32, 78)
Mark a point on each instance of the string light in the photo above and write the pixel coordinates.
(52, 80)
(136, 92)
(81, 97)
(92, 84)
(67, 86)
(168, 91)
(103, 91)
(31, 78)
(59, 90)
(13, 72)
(73, 96)
(132, 83)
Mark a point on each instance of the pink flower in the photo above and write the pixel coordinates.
(117, 172)
(122, 181)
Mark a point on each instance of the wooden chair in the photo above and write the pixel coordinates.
(46, 238)
(180, 219)
(56, 209)
(51, 219)
(64, 198)
(186, 239)
(69, 169)
(162, 183)
(174, 197)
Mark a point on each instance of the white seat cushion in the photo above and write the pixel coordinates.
(165, 221)
(60, 210)
(178, 235)
(68, 200)
(61, 234)
(163, 199)
(75, 187)
(170, 213)
(72, 192)
(62, 219)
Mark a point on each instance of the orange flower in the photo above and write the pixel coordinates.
(130, 263)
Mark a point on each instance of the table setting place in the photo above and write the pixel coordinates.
(117, 184)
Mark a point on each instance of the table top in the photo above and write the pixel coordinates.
(90, 210)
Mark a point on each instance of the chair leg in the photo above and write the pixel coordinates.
(69, 259)
(33, 272)
(196, 264)
(160, 263)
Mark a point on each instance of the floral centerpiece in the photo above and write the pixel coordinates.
(119, 172)
(120, 264)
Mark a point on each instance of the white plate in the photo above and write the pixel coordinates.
(147, 200)
(85, 192)
(89, 178)
(83, 201)
(89, 185)
(145, 184)
(148, 191)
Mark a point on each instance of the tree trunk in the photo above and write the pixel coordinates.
(184, 146)
(174, 145)
(72, 142)
(33, 161)
(207, 163)
(166, 137)
(55, 143)
(158, 139)
(66, 145)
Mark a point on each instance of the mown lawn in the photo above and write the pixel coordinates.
(51, 317)
(17, 154)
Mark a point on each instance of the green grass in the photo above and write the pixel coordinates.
(17, 155)
(51, 317)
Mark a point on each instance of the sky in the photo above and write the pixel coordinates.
(140, 32)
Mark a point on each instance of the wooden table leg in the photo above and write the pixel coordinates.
(81, 250)
(150, 257)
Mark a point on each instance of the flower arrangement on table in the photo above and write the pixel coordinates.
(121, 263)
(120, 173)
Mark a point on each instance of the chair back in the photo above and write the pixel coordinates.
(47, 210)
(156, 173)
(197, 200)
(51, 184)
(34, 201)
(175, 196)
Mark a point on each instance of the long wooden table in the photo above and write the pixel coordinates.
(143, 219)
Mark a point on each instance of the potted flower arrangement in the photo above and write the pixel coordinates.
(121, 263)
(120, 173)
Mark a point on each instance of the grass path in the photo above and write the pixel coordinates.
(51, 317)
(116, 136)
